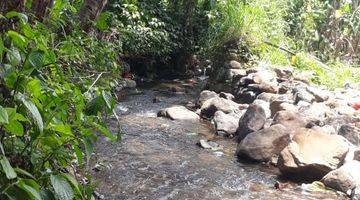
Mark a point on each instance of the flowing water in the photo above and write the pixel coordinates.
(159, 159)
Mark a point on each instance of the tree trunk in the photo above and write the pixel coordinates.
(41, 8)
(91, 11)
(12, 5)
(189, 7)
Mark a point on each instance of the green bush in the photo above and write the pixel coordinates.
(49, 115)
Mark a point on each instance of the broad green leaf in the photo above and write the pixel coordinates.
(109, 100)
(35, 60)
(23, 172)
(104, 131)
(15, 127)
(47, 194)
(2, 149)
(8, 170)
(20, 117)
(14, 57)
(102, 22)
(11, 113)
(11, 79)
(15, 116)
(4, 117)
(33, 110)
(73, 182)
(28, 31)
(89, 148)
(61, 187)
(34, 87)
(23, 18)
(79, 155)
(31, 187)
(61, 128)
(18, 39)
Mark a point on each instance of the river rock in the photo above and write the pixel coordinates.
(263, 76)
(265, 105)
(235, 72)
(351, 133)
(357, 154)
(212, 105)
(319, 94)
(301, 94)
(284, 73)
(325, 129)
(312, 154)
(264, 87)
(344, 179)
(277, 101)
(266, 96)
(291, 120)
(355, 194)
(316, 111)
(206, 95)
(226, 96)
(265, 144)
(225, 124)
(179, 113)
(253, 120)
(236, 65)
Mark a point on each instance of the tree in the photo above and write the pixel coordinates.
(90, 11)
(41, 8)
(12, 5)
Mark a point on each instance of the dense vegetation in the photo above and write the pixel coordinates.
(60, 61)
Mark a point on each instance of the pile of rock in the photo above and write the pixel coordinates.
(306, 131)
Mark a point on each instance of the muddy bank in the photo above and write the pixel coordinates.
(160, 159)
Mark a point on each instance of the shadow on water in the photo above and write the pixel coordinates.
(159, 159)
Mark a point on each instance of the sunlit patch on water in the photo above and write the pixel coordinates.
(149, 114)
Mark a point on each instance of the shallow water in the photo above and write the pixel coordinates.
(160, 159)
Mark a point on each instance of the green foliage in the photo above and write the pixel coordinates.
(333, 75)
(47, 121)
(328, 29)
(249, 24)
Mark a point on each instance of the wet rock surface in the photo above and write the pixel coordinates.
(159, 158)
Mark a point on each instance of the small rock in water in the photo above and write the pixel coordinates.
(204, 144)
(315, 186)
(98, 195)
(280, 186)
(156, 99)
(209, 145)
(218, 153)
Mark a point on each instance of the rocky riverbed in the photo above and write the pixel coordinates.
(191, 154)
(308, 132)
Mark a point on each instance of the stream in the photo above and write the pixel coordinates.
(158, 158)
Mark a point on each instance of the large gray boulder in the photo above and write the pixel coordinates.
(226, 124)
(351, 133)
(344, 179)
(206, 95)
(253, 120)
(179, 113)
(291, 120)
(264, 145)
(313, 154)
(212, 105)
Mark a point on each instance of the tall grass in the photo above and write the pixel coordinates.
(251, 23)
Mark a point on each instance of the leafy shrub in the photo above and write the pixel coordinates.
(47, 119)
